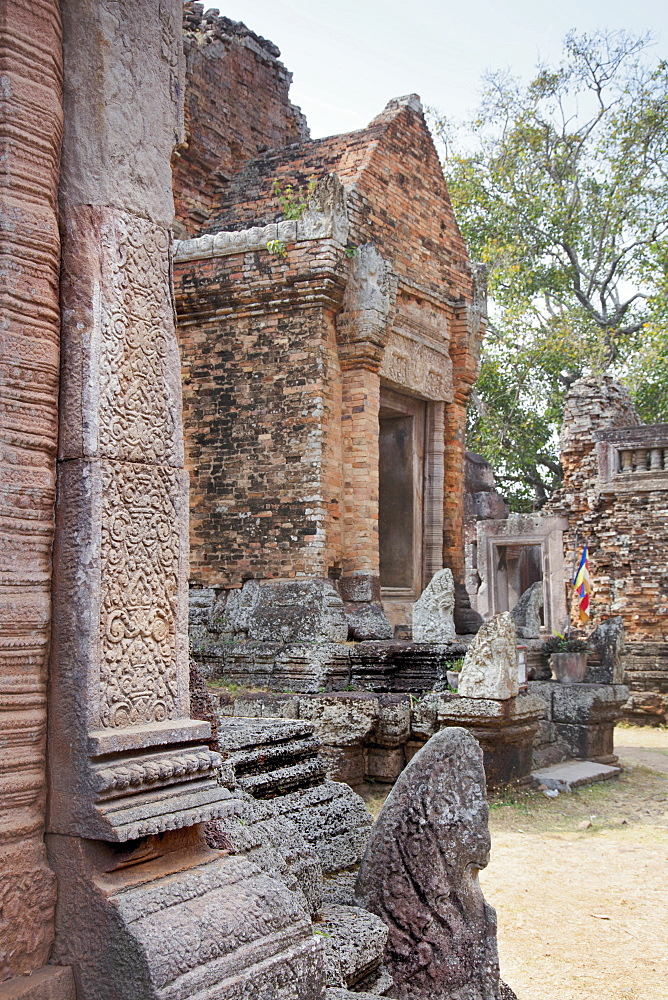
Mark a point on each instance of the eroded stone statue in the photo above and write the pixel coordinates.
(490, 664)
(526, 613)
(433, 611)
(420, 875)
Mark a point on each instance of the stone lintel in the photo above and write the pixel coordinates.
(637, 436)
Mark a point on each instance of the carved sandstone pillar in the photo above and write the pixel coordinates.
(30, 132)
(125, 756)
(362, 330)
(145, 909)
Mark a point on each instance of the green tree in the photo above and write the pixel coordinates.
(560, 188)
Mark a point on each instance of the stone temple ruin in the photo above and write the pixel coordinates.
(198, 291)
(153, 845)
(614, 496)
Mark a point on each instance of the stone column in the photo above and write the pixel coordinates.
(362, 332)
(466, 334)
(145, 909)
(360, 579)
(124, 753)
(30, 133)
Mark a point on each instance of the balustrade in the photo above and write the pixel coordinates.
(631, 460)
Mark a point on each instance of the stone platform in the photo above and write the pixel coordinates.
(579, 721)
(574, 774)
(504, 729)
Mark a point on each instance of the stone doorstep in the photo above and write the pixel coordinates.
(335, 993)
(573, 774)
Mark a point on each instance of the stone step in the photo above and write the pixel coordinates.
(336, 993)
(270, 756)
(573, 774)
(333, 819)
(354, 944)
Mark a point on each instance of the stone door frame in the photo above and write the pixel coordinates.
(428, 514)
(524, 529)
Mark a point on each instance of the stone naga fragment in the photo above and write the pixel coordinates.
(420, 875)
(490, 664)
(433, 611)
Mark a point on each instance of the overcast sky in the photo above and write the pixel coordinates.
(349, 57)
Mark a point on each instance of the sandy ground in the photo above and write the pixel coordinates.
(580, 883)
(583, 913)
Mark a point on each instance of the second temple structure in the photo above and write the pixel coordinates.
(330, 323)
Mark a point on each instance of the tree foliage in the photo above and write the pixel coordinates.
(561, 188)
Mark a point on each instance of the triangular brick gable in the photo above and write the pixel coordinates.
(397, 195)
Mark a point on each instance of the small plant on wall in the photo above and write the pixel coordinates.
(293, 200)
(277, 248)
(558, 643)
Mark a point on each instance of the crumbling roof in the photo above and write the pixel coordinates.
(250, 198)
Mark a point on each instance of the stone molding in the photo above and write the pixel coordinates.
(325, 218)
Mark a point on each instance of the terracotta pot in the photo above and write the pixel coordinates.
(569, 668)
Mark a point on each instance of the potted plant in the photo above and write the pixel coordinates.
(568, 658)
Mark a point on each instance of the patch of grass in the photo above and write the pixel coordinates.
(240, 690)
(639, 797)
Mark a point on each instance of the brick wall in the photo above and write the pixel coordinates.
(627, 532)
(269, 417)
(262, 408)
(625, 522)
(236, 106)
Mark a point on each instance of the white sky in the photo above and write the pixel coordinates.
(349, 57)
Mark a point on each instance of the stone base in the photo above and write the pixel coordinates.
(53, 982)
(241, 934)
(504, 729)
(579, 721)
(646, 674)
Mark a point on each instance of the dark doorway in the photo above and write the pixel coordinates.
(401, 479)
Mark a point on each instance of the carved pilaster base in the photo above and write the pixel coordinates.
(170, 919)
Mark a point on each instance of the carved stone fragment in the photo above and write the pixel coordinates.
(289, 611)
(490, 664)
(433, 611)
(526, 613)
(179, 923)
(608, 641)
(420, 875)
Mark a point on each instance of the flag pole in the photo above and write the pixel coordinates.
(570, 604)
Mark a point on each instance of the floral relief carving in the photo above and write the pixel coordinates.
(138, 366)
(139, 583)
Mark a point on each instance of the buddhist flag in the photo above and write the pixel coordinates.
(582, 584)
